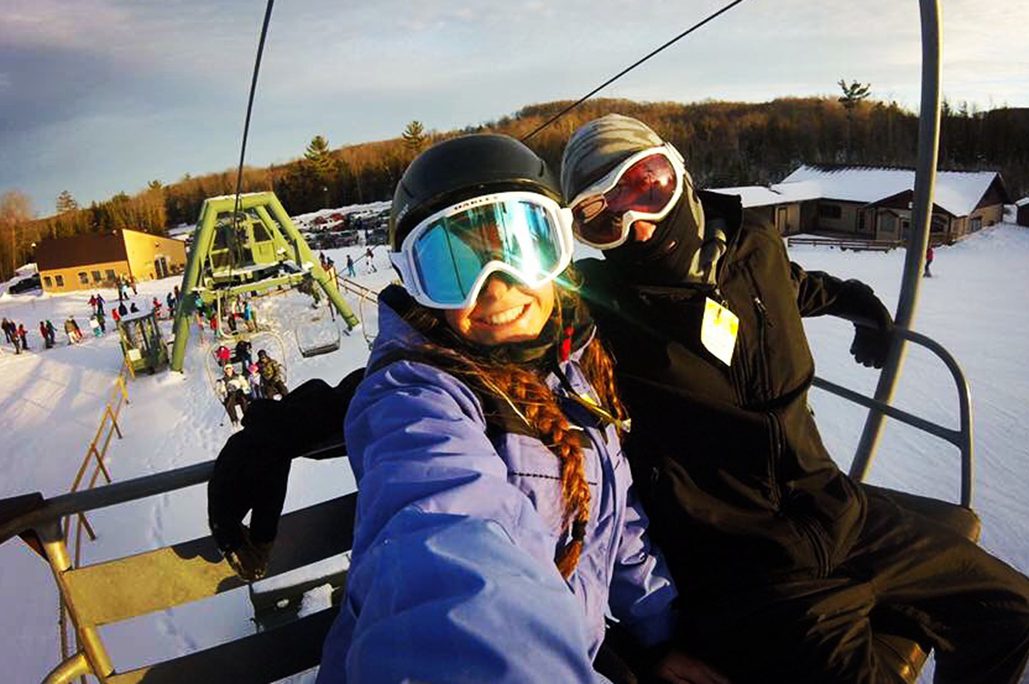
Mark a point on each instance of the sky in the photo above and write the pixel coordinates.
(102, 96)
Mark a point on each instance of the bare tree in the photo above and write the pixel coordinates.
(15, 214)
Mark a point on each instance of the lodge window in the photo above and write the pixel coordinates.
(96, 276)
(59, 280)
(47, 282)
(109, 275)
(83, 278)
(830, 211)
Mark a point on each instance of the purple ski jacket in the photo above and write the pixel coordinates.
(452, 575)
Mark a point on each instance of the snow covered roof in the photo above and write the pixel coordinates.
(957, 192)
(1022, 202)
(762, 196)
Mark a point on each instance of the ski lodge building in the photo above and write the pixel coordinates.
(85, 262)
(875, 203)
(1022, 211)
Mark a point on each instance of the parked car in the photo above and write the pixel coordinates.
(379, 236)
(25, 284)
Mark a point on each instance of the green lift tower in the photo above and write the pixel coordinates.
(248, 246)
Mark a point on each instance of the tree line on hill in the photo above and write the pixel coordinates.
(725, 144)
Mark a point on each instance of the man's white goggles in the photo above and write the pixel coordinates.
(644, 187)
(445, 260)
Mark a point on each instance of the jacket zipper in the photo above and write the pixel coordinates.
(763, 321)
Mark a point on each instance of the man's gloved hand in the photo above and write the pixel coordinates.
(873, 324)
(871, 345)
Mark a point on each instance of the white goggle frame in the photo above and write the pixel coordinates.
(611, 179)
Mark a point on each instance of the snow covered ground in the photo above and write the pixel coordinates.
(977, 305)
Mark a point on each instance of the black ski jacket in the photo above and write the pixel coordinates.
(738, 485)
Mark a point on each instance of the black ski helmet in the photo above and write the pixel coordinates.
(464, 167)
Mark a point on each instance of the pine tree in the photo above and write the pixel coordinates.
(65, 202)
(853, 94)
(319, 159)
(414, 136)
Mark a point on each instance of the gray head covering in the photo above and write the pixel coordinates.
(598, 146)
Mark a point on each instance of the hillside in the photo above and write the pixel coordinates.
(725, 144)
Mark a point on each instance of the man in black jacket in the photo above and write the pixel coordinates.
(788, 568)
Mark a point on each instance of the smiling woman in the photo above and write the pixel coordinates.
(485, 440)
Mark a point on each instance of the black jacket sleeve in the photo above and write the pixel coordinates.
(820, 294)
(252, 469)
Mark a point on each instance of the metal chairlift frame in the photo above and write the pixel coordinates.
(190, 571)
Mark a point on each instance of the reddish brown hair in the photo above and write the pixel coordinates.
(526, 392)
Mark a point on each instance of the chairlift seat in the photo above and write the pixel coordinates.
(123, 588)
(953, 516)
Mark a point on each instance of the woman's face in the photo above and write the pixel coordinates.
(504, 312)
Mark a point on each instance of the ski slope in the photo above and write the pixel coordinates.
(977, 306)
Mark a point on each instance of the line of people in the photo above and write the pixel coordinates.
(17, 334)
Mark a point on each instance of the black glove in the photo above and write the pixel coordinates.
(871, 346)
(873, 324)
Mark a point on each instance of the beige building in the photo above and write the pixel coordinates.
(84, 262)
(875, 203)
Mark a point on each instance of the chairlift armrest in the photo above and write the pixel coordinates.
(13, 508)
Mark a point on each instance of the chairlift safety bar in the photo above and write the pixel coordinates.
(961, 438)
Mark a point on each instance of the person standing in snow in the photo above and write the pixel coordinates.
(71, 329)
(928, 260)
(350, 267)
(6, 325)
(773, 547)
(248, 316)
(94, 326)
(369, 256)
(51, 333)
(23, 335)
(99, 304)
(47, 344)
